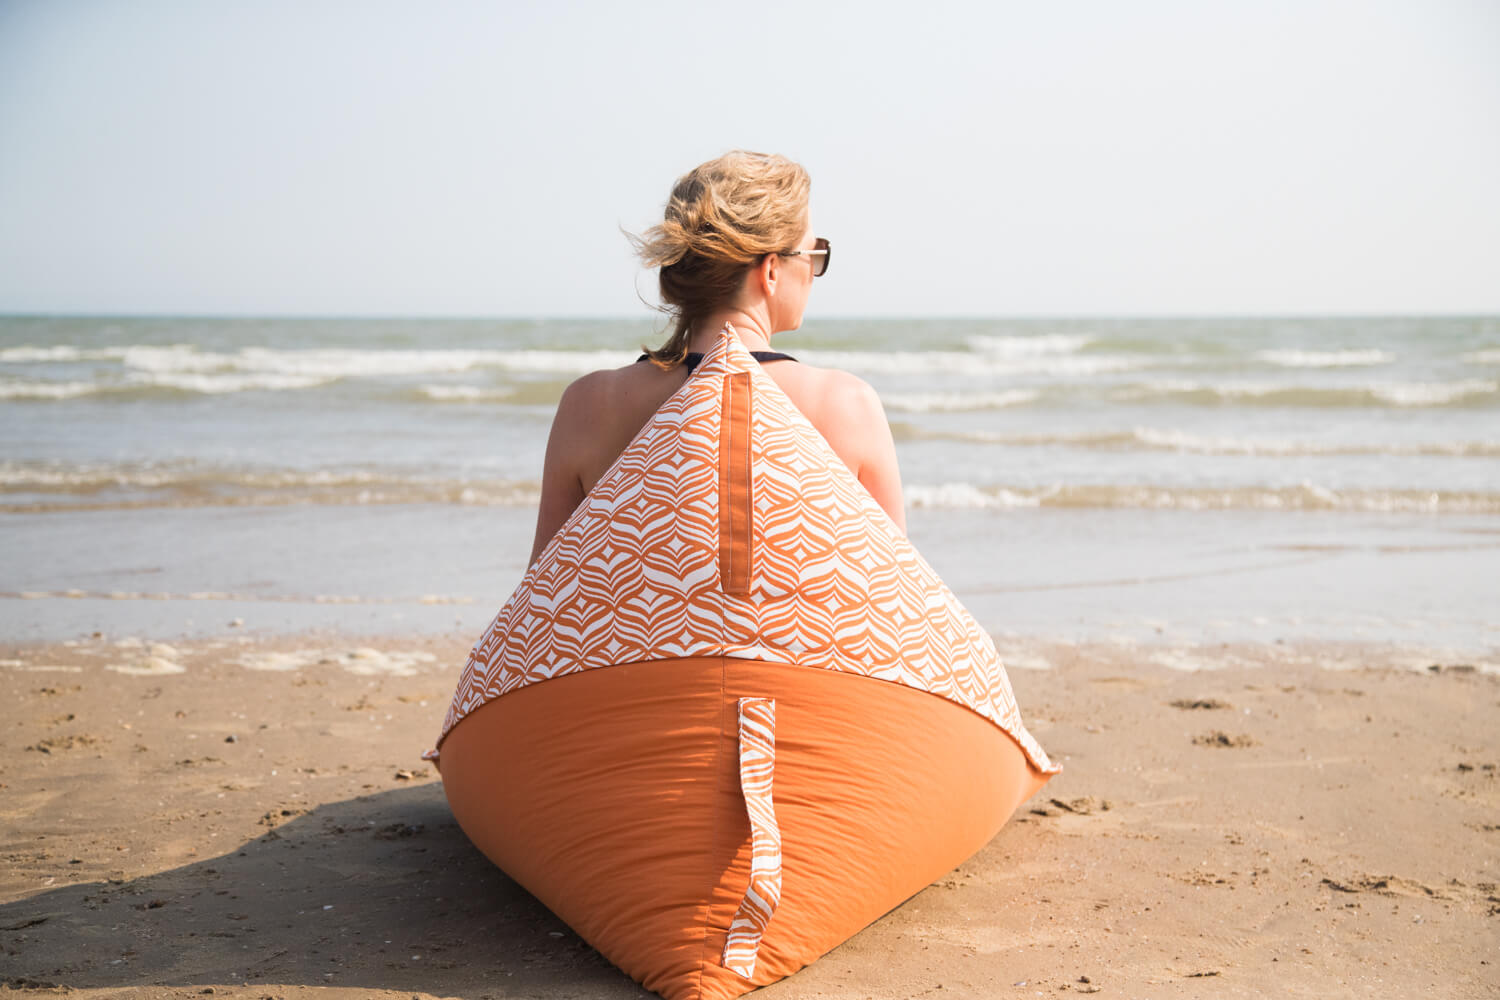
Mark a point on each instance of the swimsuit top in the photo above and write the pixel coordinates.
(691, 361)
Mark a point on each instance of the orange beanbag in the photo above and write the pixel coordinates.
(730, 716)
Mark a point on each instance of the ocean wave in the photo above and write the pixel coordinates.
(969, 364)
(23, 355)
(1490, 356)
(1303, 497)
(223, 383)
(19, 476)
(57, 486)
(47, 390)
(53, 485)
(1432, 393)
(140, 384)
(1172, 439)
(1030, 347)
(949, 402)
(140, 364)
(1187, 442)
(465, 394)
(1194, 392)
(1293, 358)
(966, 496)
(321, 363)
(1387, 393)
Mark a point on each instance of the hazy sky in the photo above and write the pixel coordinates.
(1001, 159)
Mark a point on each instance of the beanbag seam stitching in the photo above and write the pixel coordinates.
(713, 881)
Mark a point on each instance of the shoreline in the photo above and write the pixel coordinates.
(1195, 578)
(1307, 818)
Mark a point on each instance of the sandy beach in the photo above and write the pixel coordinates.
(248, 817)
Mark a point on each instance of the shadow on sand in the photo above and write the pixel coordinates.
(377, 892)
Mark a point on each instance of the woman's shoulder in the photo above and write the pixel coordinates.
(832, 389)
(644, 385)
(611, 391)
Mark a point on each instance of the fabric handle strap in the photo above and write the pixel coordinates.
(735, 500)
(757, 732)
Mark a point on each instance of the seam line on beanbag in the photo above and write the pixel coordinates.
(704, 955)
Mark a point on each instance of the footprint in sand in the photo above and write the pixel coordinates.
(1219, 738)
(1209, 704)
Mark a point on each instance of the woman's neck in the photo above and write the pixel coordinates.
(751, 330)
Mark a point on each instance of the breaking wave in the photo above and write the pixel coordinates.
(1307, 496)
(1291, 358)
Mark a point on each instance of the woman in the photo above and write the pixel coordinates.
(735, 248)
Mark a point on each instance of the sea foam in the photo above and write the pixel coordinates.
(1293, 358)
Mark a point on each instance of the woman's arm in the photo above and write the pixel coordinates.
(852, 419)
(878, 470)
(562, 488)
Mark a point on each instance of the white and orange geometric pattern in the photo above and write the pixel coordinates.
(728, 527)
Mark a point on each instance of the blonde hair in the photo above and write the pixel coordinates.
(723, 217)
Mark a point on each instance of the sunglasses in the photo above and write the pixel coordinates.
(820, 254)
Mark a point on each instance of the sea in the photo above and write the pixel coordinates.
(1177, 482)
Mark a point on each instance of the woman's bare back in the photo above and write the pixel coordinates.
(601, 413)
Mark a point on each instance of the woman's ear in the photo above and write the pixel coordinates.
(768, 272)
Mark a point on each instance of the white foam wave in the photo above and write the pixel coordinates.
(1485, 357)
(968, 363)
(464, 393)
(53, 475)
(966, 496)
(47, 390)
(21, 475)
(1304, 496)
(1046, 355)
(950, 402)
(1030, 347)
(322, 363)
(1413, 394)
(136, 382)
(1172, 439)
(1293, 358)
(222, 383)
(128, 485)
(37, 354)
(1431, 393)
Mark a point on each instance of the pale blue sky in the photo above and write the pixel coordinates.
(1001, 159)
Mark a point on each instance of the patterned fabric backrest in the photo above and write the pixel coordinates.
(728, 527)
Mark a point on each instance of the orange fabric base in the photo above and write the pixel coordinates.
(613, 796)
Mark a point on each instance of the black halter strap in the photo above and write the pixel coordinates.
(693, 359)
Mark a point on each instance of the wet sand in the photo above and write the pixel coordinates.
(249, 818)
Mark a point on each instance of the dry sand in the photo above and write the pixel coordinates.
(250, 819)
